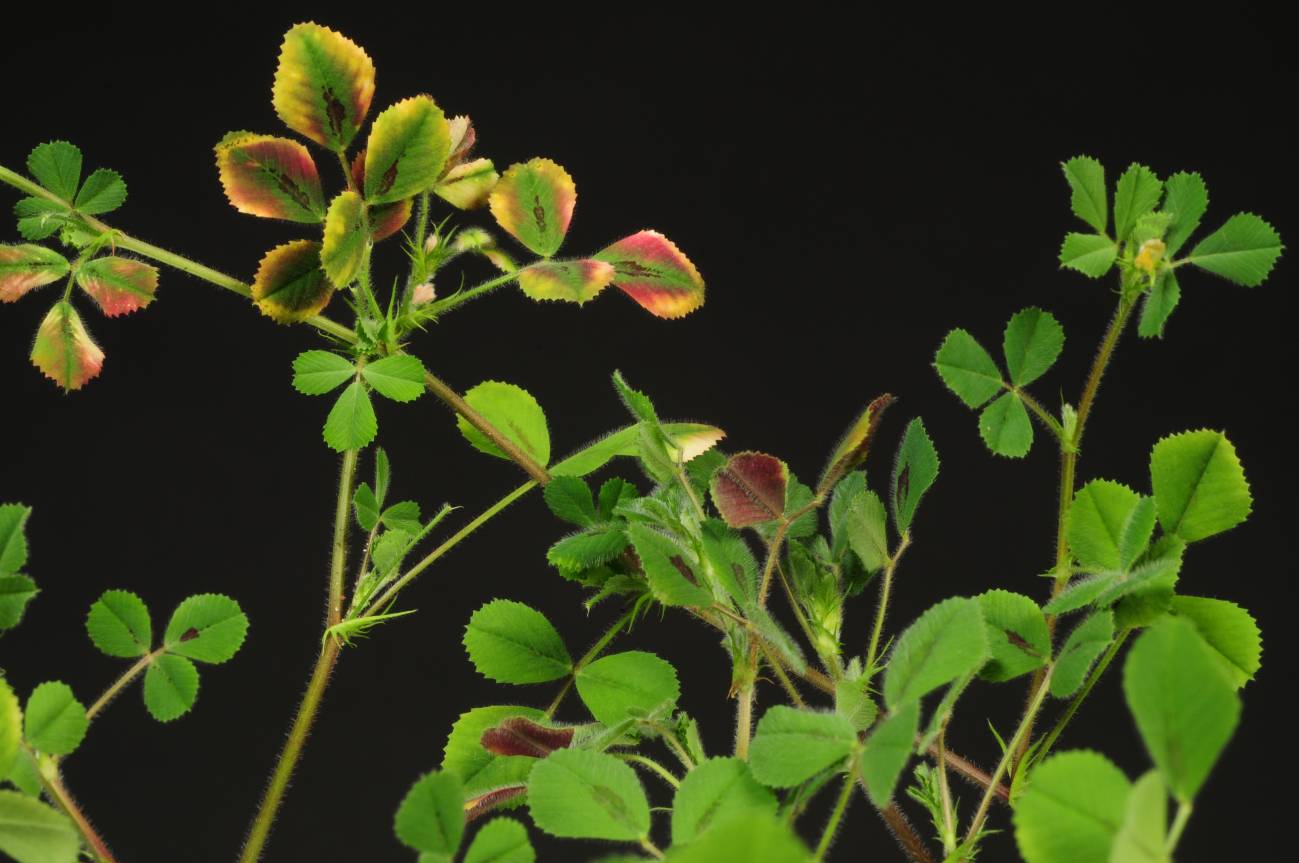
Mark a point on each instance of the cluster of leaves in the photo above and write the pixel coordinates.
(63, 349)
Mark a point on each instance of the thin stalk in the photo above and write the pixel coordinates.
(775, 666)
(967, 770)
(1052, 424)
(58, 792)
(338, 556)
(475, 419)
(836, 815)
(651, 848)
(905, 835)
(441, 307)
(650, 764)
(1077, 700)
(596, 650)
(121, 683)
(744, 722)
(945, 794)
(886, 585)
(1179, 825)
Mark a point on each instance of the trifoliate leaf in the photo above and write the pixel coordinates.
(501, 840)
(515, 413)
(351, 423)
(1242, 251)
(103, 192)
(967, 369)
(1137, 193)
(1088, 640)
(887, 751)
(791, 746)
(11, 727)
(1183, 703)
(406, 151)
(119, 625)
(1031, 345)
(569, 498)
(343, 250)
(631, 683)
(1071, 810)
(13, 539)
(750, 835)
(431, 817)
(1090, 254)
(510, 642)
(399, 377)
(53, 720)
(1088, 198)
(946, 642)
(318, 372)
(64, 351)
(208, 627)
(1200, 487)
(713, 791)
(1158, 305)
(1141, 837)
(1228, 629)
(15, 592)
(649, 268)
(323, 85)
(272, 177)
(468, 185)
(750, 489)
(170, 687)
(32, 832)
(571, 281)
(56, 166)
(914, 471)
(533, 201)
(670, 574)
(25, 267)
(1006, 428)
(480, 770)
(1017, 635)
(290, 286)
(118, 285)
(576, 794)
(1097, 522)
(1185, 198)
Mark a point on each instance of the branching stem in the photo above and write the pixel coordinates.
(121, 683)
(1082, 693)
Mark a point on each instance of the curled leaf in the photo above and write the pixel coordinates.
(119, 285)
(853, 448)
(344, 247)
(406, 151)
(271, 177)
(534, 202)
(649, 268)
(323, 85)
(25, 267)
(290, 285)
(467, 186)
(572, 281)
(64, 350)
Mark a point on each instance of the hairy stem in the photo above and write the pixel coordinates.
(779, 671)
(651, 848)
(338, 555)
(1077, 700)
(652, 765)
(945, 794)
(1179, 825)
(905, 835)
(967, 770)
(121, 683)
(588, 657)
(836, 815)
(441, 307)
(743, 722)
(475, 419)
(58, 792)
(886, 585)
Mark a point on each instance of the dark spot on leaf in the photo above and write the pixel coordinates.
(190, 634)
(476, 807)
(336, 112)
(904, 482)
(686, 571)
(634, 268)
(389, 177)
(1023, 645)
(539, 213)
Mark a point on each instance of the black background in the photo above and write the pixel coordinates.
(851, 191)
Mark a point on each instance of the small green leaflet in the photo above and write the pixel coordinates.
(56, 166)
(513, 411)
(1186, 198)
(569, 498)
(170, 687)
(751, 836)
(366, 506)
(1090, 254)
(351, 423)
(54, 722)
(1228, 629)
(1137, 193)
(791, 746)
(946, 642)
(509, 642)
(887, 751)
(967, 369)
(1158, 305)
(1088, 197)
(16, 591)
(1108, 527)
(1031, 345)
(31, 832)
(431, 817)
(501, 840)
(1199, 484)
(119, 625)
(1087, 641)
(317, 372)
(1071, 810)
(576, 794)
(865, 525)
(207, 627)
(914, 471)
(711, 792)
(13, 541)
(399, 377)
(1243, 250)
(11, 727)
(1006, 428)
(588, 548)
(1017, 635)
(1141, 837)
(103, 192)
(627, 684)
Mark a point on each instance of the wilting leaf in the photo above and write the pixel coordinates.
(118, 285)
(519, 735)
(64, 351)
(572, 281)
(290, 286)
(479, 769)
(533, 201)
(649, 268)
(1199, 484)
(271, 177)
(467, 186)
(343, 250)
(750, 489)
(56, 165)
(852, 449)
(388, 219)
(25, 267)
(323, 85)
(407, 148)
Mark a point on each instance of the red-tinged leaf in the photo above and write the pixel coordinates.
(649, 268)
(406, 151)
(476, 807)
(463, 138)
(290, 285)
(467, 186)
(572, 281)
(323, 85)
(118, 285)
(25, 267)
(519, 735)
(271, 177)
(344, 246)
(750, 489)
(855, 445)
(64, 350)
(385, 219)
(534, 202)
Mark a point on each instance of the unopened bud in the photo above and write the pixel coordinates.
(423, 294)
(432, 241)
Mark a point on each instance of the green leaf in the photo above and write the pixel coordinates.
(1072, 809)
(887, 751)
(946, 642)
(103, 192)
(382, 476)
(467, 185)
(54, 721)
(13, 541)
(39, 218)
(914, 471)
(388, 551)
(510, 642)
(404, 516)
(318, 372)
(865, 525)
(366, 505)
(1200, 487)
(791, 746)
(1186, 198)
(1088, 198)
(56, 166)
(967, 369)
(501, 840)
(692, 439)
(351, 423)
(11, 727)
(431, 817)
(170, 687)
(208, 627)
(631, 683)
(119, 625)
(479, 770)
(1088, 640)
(323, 85)
(1100, 517)
(1006, 428)
(577, 794)
(1243, 250)
(852, 703)
(15, 592)
(533, 202)
(1158, 305)
(1141, 837)
(515, 413)
(31, 832)
(713, 791)
(669, 572)
(26, 267)
(751, 836)
(407, 149)
(588, 548)
(1090, 254)
(1183, 702)
(1017, 635)
(569, 498)
(1032, 343)
(118, 285)
(343, 250)
(399, 377)
(613, 491)
(1228, 629)
(1137, 193)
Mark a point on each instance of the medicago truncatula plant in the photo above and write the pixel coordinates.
(712, 539)
(412, 160)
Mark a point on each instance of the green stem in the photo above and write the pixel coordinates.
(338, 557)
(840, 806)
(596, 650)
(651, 848)
(743, 722)
(1179, 825)
(58, 792)
(121, 683)
(779, 671)
(907, 837)
(886, 585)
(441, 307)
(1052, 424)
(444, 392)
(651, 764)
(945, 793)
(1077, 701)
